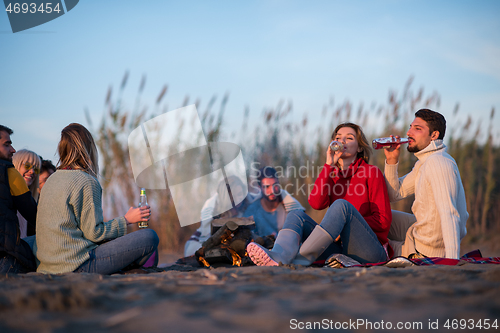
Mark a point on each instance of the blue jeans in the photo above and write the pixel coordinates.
(358, 239)
(303, 224)
(30, 240)
(131, 250)
(9, 264)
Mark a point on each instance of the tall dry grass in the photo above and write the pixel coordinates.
(296, 148)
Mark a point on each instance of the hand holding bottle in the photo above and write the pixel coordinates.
(138, 214)
(392, 152)
(335, 150)
(143, 202)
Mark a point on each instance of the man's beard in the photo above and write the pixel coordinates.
(277, 197)
(413, 149)
(6, 158)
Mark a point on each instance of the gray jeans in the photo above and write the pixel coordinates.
(401, 222)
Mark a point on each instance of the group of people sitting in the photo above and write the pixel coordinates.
(72, 236)
(51, 220)
(359, 222)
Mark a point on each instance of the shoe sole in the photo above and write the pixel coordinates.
(259, 256)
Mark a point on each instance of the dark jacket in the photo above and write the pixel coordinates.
(10, 241)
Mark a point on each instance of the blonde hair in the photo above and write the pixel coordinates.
(22, 156)
(77, 150)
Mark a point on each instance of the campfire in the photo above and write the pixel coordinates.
(227, 246)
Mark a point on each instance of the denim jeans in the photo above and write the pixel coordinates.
(358, 239)
(129, 251)
(9, 264)
(303, 224)
(30, 240)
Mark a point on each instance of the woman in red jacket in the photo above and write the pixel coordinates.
(359, 212)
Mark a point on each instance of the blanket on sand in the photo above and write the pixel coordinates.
(474, 257)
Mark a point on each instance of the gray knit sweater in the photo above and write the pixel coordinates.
(70, 221)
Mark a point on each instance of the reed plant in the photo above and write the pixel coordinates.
(297, 149)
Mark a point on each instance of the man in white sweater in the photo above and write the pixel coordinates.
(439, 209)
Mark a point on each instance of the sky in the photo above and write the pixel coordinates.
(260, 52)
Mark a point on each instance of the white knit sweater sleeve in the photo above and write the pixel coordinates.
(442, 174)
(398, 188)
(290, 203)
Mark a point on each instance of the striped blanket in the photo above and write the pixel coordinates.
(474, 257)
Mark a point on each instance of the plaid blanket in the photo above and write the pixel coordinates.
(474, 257)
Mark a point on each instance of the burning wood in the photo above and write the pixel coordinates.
(227, 246)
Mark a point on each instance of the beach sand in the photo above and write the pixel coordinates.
(250, 299)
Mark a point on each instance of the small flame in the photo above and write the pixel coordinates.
(224, 244)
(236, 257)
(224, 240)
(204, 262)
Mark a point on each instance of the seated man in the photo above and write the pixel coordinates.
(271, 205)
(268, 209)
(440, 211)
(15, 253)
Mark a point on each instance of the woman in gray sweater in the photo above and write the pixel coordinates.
(71, 235)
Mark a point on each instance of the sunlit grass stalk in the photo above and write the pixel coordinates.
(280, 141)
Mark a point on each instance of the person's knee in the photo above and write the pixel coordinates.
(149, 236)
(402, 217)
(295, 217)
(337, 213)
(401, 222)
(340, 205)
(296, 214)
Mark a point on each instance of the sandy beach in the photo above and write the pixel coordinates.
(251, 299)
